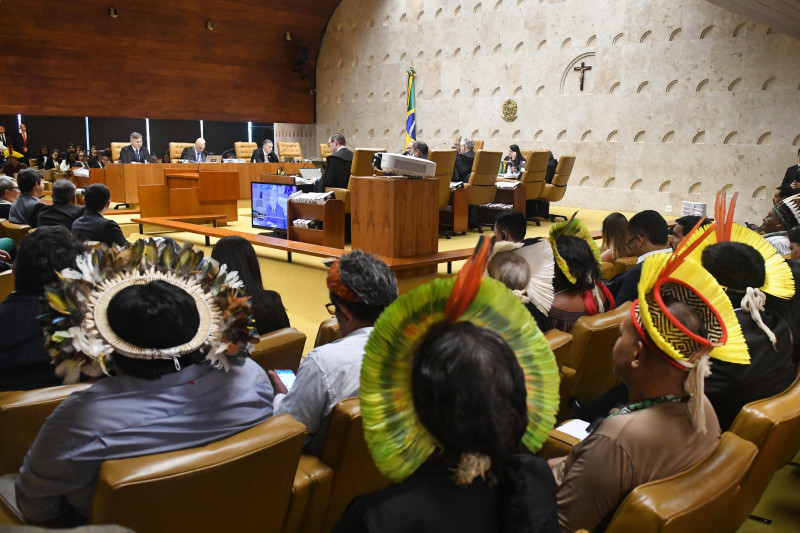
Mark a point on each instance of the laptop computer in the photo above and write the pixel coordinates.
(310, 173)
(214, 159)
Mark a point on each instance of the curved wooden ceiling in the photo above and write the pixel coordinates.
(156, 59)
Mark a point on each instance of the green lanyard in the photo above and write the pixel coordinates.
(644, 404)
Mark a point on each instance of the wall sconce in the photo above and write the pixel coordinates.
(112, 12)
(288, 36)
(209, 24)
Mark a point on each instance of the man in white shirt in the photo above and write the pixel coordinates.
(360, 287)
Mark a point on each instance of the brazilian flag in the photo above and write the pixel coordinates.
(411, 113)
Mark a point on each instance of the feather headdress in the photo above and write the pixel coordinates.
(576, 228)
(539, 256)
(397, 440)
(77, 332)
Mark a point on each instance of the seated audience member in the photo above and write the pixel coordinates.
(94, 155)
(44, 157)
(449, 422)
(166, 158)
(196, 153)
(265, 154)
(360, 287)
(615, 235)
(464, 160)
(779, 220)
(668, 425)
(514, 157)
(24, 361)
(92, 225)
(104, 161)
(515, 271)
(683, 226)
(53, 161)
(13, 166)
(337, 171)
(510, 225)
(782, 192)
(648, 234)
(794, 243)
(69, 161)
(171, 388)
(94, 162)
(26, 208)
(135, 152)
(63, 212)
(420, 150)
(238, 255)
(577, 288)
(83, 160)
(9, 192)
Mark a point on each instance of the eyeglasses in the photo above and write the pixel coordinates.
(331, 308)
(628, 244)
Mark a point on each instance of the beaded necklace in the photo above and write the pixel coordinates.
(644, 404)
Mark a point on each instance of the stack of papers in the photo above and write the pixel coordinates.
(506, 184)
(693, 209)
(311, 197)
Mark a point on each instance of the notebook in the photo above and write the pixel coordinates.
(310, 173)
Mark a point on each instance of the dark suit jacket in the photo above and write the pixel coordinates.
(126, 155)
(337, 173)
(258, 157)
(93, 226)
(25, 210)
(94, 163)
(463, 166)
(4, 210)
(58, 215)
(190, 154)
(792, 174)
(19, 144)
(624, 287)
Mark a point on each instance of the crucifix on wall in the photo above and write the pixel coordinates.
(582, 69)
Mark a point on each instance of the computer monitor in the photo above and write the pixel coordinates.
(268, 204)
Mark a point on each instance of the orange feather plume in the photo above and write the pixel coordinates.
(468, 281)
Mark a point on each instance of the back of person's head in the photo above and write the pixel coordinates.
(469, 393)
(27, 179)
(690, 221)
(63, 191)
(794, 235)
(468, 143)
(422, 147)
(735, 265)
(363, 284)
(153, 315)
(238, 254)
(96, 197)
(581, 262)
(41, 254)
(615, 233)
(651, 225)
(6, 184)
(511, 269)
(784, 191)
(339, 138)
(513, 223)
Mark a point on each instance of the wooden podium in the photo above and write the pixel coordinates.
(191, 192)
(396, 218)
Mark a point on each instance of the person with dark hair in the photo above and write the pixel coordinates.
(24, 361)
(510, 225)
(63, 211)
(683, 227)
(168, 390)
(360, 287)
(779, 220)
(265, 154)
(239, 256)
(26, 208)
(92, 225)
(515, 159)
(782, 192)
(447, 404)
(794, 243)
(792, 176)
(44, 157)
(648, 234)
(615, 235)
(337, 171)
(420, 150)
(52, 161)
(13, 166)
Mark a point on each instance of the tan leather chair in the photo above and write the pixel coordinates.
(554, 192)
(289, 151)
(361, 166)
(280, 349)
(244, 150)
(560, 342)
(773, 425)
(587, 372)
(176, 149)
(13, 231)
(248, 474)
(6, 284)
(324, 150)
(481, 186)
(478, 144)
(445, 162)
(621, 265)
(47, 176)
(533, 178)
(693, 501)
(328, 332)
(33, 163)
(606, 269)
(116, 148)
(22, 414)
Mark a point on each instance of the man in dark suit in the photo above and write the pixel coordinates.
(3, 137)
(196, 153)
(337, 172)
(265, 154)
(63, 212)
(23, 143)
(464, 160)
(9, 192)
(92, 225)
(135, 153)
(792, 176)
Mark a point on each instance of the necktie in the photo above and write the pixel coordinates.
(25, 138)
(137, 156)
(198, 156)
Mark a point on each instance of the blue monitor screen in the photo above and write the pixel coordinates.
(268, 204)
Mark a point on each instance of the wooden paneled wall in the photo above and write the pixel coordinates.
(157, 60)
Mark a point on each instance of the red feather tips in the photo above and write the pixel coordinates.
(468, 281)
(683, 249)
(724, 220)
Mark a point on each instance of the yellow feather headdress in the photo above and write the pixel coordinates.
(574, 227)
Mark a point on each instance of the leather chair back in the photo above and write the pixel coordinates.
(116, 148)
(289, 151)
(445, 162)
(47, 175)
(15, 232)
(482, 180)
(328, 332)
(346, 452)
(689, 502)
(606, 269)
(535, 172)
(773, 425)
(22, 414)
(244, 150)
(176, 149)
(242, 483)
(280, 349)
(553, 192)
(324, 150)
(621, 265)
(478, 144)
(589, 371)
(361, 166)
(560, 342)
(6, 284)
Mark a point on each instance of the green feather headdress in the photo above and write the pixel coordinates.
(574, 227)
